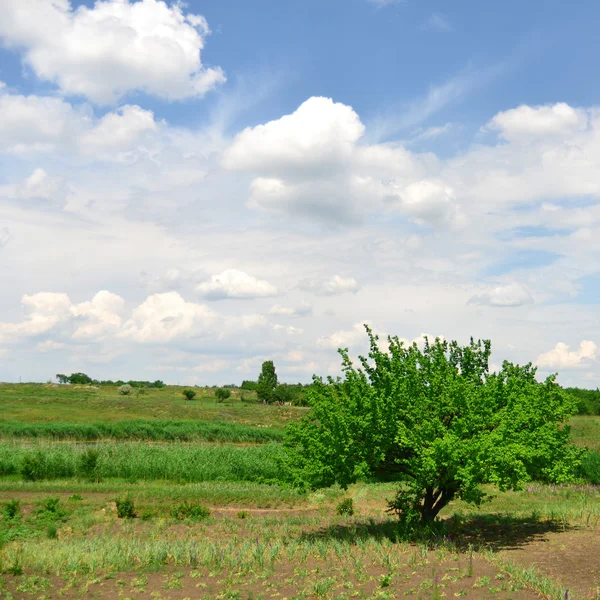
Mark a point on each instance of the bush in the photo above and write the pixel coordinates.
(125, 390)
(590, 466)
(12, 510)
(345, 507)
(189, 394)
(50, 509)
(190, 510)
(222, 394)
(88, 465)
(33, 467)
(52, 532)
(125, 508)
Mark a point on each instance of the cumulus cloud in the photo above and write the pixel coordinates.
(102, 315)
(509, 295)
(44, 311)
(538, 121)
(43, 124)
(345, 338)
(311, 163)
(39, 186)
(112, 48)
(232, 283)
(49, 346)
(560, 357)
(331, 286)
(164, 317)
(285, 311)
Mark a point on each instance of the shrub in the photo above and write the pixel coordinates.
(75, 498)
(345, 507)
(222, 394)
(33, 467)
(125, 390)
(12, 510)
(190, 510)
(51, 532)
(189, 394)
(50, 509)
(125, 508)
(590, 466)
(88, 465)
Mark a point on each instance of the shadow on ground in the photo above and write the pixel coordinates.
(487, 531)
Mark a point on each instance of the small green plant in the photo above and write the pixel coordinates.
(125, 508)
(50, 509)
(75, 498)
(12, 510)
(125, 390)
(52, 532)
(590, 466)
(189, 394)
(222, 394)
(33, 467)
(243, 514)
(88, 466)
(345, 507)
(385, 580)
(190, 510)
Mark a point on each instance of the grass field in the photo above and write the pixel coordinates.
(61, 535)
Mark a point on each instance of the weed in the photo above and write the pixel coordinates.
(125, 508)
(88, 466)
(192, 511)
(345, 507)
(12, 510)
(243, 514)
(52, 532)
(75, 498)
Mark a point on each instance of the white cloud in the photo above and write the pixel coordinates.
(102, 315)
(114, 48)
(561, 358)
(164, 317)
(345, 338)
(119, 129)
(311, 163)
(438, 22)
(232, 283)
(290, 330)
(285, 311)
(37, 123)
(384, 3)
(49, 345)
(509, 295)
(539, 121)
(45, 311)
(331, 286)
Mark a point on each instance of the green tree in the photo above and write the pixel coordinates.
(80, 378)
(62, 378)
(189, 394)
(222, 394)
(267, 382)
(436, 421)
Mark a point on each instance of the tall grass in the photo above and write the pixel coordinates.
(131, 461)
(143, 430)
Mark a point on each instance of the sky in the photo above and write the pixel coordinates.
(189, 189)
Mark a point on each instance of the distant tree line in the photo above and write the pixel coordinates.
(83, 379)
(270, 391)
(588, 401)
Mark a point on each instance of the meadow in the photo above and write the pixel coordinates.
(153, 496)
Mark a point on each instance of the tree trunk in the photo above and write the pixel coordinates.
(433, 502)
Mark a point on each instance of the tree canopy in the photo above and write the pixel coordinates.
(436, 421)
(267, 382)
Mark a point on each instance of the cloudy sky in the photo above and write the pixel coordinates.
(188, 189)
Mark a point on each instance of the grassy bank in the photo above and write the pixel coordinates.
(156, 430)
(133, 462)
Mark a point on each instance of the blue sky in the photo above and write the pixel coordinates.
(189, 189)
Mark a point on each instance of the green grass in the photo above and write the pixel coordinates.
(142, 430)
(585, 432)
(29, 403)
(139, 461)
